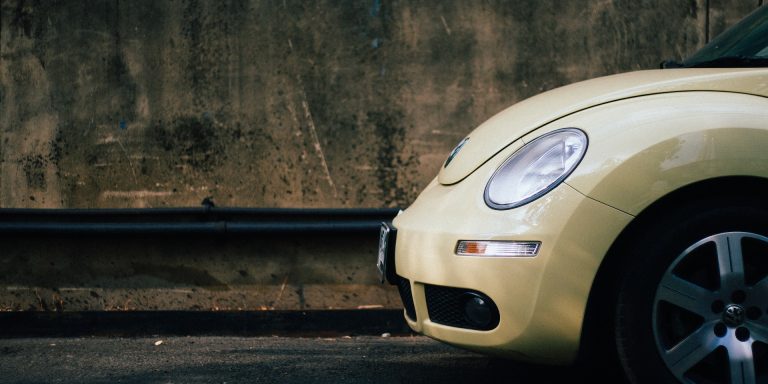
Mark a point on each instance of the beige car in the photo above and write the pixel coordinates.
(621, 216)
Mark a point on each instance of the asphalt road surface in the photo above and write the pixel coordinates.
(258, 360)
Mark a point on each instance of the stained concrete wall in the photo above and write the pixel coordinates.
(272, 104)
(291, 103)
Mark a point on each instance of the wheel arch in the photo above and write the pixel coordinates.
(596, 336)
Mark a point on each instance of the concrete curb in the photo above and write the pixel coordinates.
(220, 323)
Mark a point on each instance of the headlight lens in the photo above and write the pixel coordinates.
(536, 168)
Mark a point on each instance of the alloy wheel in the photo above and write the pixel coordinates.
(710, 312)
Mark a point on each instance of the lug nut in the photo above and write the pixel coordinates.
(742, 334)
(718, 306)
(720, 329)
(738, 297)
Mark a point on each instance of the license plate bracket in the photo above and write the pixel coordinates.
(386, 257)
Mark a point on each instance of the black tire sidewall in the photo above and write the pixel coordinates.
(655, 247)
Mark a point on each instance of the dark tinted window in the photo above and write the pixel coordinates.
(743, 45)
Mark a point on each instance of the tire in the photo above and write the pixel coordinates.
(692, 304)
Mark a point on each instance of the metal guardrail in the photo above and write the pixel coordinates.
(204, 220)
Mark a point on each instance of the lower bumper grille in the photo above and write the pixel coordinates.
(404, 287)
(449, 306)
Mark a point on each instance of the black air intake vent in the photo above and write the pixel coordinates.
(404, 286)
(462, 308)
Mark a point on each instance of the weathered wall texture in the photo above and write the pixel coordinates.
(291, 103)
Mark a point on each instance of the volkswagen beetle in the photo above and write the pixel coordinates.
(626, 214)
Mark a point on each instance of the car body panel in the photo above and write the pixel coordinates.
(516, 121)
(644, 148)
(537, 297)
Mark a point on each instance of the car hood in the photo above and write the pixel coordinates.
(516, 121)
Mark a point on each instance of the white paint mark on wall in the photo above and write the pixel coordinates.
(318, 147)
(109, 139)
(445, 25)
(134, 194)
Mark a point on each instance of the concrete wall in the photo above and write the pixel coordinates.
(291, 103)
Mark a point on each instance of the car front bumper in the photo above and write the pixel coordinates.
(541, 300)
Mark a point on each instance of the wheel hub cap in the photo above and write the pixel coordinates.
(734, 315)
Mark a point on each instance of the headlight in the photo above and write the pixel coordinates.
(536, 168)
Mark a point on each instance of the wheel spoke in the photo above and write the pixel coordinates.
(686, 295)
(759, 291)
(742, 364)
(691, 350)
(759, 330)
(730, 261)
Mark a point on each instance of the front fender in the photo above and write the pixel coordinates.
(643, 148)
